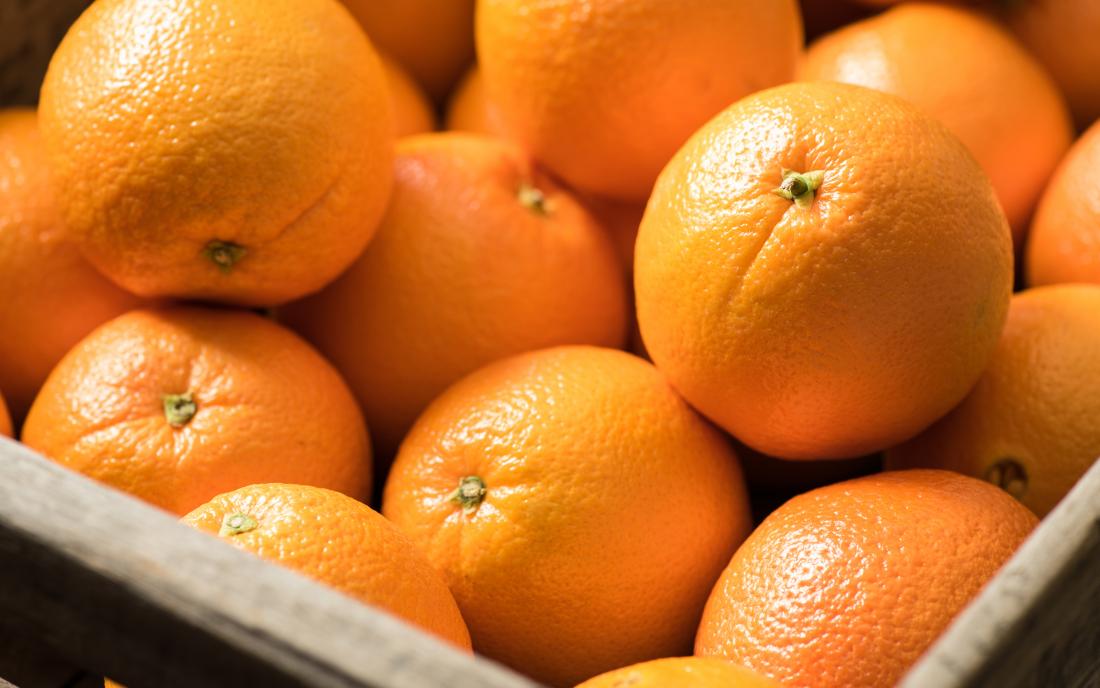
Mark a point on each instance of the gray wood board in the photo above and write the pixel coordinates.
(120, 588)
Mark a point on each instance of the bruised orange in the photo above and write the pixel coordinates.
(177, 405)
(578, 508)
(338, 541)
(52, 296)
(828, 322)
(849, 584)
(213, 149)
(681, 672)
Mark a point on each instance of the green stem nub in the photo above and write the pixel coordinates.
(469, 494)
(800, 187)
(533, 199)
(235, 524)
(224, 254)
(179, 409)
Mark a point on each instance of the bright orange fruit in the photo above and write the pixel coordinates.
(53, 297)
(178, 405)
(603, 93)
(480, 256)
(470, 109)
(412, 111)
(1029, 425)
(578, 508)
(213, 149)
(338, 541)
(5, 419)
(849, 584)
(681, 672)
(838, 321)
(969, 73)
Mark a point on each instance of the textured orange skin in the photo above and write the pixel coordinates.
(611, 508)
(462, 274)
(604, 92)
(343, 543)
(270, 409)
(1064, 244)
(470, 109)
(849, 584)
(1037, 402)
(52, 296)
(969, 73)
(172, 124)
(681, 672)
(836, 330)
(1062, 34)
(433, 39)
(412, 111)
(5, 418)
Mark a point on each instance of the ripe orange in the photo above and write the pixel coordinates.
(621, 221)
(1029, 425)
(178, 405)
(847, 585)
(1064, 245)
(578, 508)
(434, 40)
(846, 320)
(338, 541)
(681, 672)
(214, 149)
(5, 418)
(52, 296)
(411, 109)
(1062, 34)
(470, 109)
(603, 93)
(480, 256)
(969, 73)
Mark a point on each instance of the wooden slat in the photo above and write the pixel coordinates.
(1038, 622)
(27, 663)
(117, 587)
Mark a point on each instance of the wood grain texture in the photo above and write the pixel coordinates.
(1038, 622)
(119, 588)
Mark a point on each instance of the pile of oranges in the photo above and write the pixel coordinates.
(667, 264)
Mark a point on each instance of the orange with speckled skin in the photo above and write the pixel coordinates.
(1035, 406)
(849, 584)
(603, 92)
(610, 508)
(470, 109)
(1062, 34)
(5, 419)
(969, 73)
(1064, 244)
(462, 273)
(681, 672)
(267, 408)
(53, 297)
(432, 39)
(837, 329)
(343, 543)
(412, 111)
(172, 125)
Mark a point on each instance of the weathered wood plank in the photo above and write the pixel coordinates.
(28, 664)
(1038, 622)
(120, 588)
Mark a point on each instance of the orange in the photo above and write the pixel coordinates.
(578, 508)
(5, 419)
(178, 405)
(52, 296)
(835, 322)
(480, 256)
(412, 111)
(681, 672)
(214, 149)
(849, 584)
(340, 542)
(969, 73)
(1064, 245)
(470, 109)
(621, 221)
(603, 93)
(1062, 34)
(1029, 425)
(434, 40)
